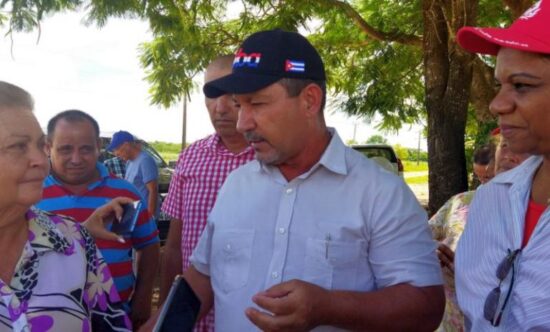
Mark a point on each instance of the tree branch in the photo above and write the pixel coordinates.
(371, 31)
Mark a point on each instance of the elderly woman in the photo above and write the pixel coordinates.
(502, 258)
(52, 278)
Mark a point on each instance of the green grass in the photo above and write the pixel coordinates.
(417, 179)
(411, 166)
(168, 151)
(169, 156)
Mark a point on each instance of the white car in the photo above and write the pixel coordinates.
(382, 154)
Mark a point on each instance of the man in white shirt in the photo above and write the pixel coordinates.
(310, 235)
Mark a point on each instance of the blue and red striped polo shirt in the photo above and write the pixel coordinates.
(60, 200)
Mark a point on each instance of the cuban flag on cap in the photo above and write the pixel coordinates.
(295, 66)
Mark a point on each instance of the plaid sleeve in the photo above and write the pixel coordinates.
(173, 204)
(146, 231)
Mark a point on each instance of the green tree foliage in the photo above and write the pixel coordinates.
(361, 71)
(351, 142)
(415, 155)
(401, 151)
(25, 15)
(395, 58)
(166, 147)
(168, 151)
(372, 48)
(376, 139)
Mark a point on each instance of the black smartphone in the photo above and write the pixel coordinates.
(180, 310)
(129, 218)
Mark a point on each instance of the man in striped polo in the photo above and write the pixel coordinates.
(78, 184)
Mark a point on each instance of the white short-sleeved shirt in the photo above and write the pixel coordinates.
(495, 224)
(346, 224)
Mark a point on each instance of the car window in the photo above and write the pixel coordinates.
(153, 153)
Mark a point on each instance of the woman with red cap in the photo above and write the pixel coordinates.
(501, 263)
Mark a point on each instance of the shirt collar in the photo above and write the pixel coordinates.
(517, 175)
(215, 144)
(521, 177)
(333, 158)
(103, 175)
(44, 235)
(102, 169)
(212, 141)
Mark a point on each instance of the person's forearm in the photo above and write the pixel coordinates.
(153, 197)
(397, 308)
(171, 263)
(152, 204)
(147, 270)
(201, 286)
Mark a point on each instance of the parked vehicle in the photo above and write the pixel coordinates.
(165, 174)
(382, 154)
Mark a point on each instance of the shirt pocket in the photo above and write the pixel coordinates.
(232, 252)
(333, 264)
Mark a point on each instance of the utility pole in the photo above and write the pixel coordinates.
(418, 150)
(184, 123)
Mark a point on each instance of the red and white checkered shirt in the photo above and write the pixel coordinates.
(199, 175)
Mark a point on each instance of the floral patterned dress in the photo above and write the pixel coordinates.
(61, 282)
(447, 226)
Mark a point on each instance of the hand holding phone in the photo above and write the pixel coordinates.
(129, 218)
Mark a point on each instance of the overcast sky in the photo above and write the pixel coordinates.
(73, 66)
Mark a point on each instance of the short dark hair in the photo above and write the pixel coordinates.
(484, 154)
(12, 96)
(294, 86)
(72, 116)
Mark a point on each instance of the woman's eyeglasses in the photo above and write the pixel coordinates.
(492, 310)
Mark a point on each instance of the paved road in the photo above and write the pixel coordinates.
(420, 190)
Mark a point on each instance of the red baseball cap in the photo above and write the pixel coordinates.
(527, 33)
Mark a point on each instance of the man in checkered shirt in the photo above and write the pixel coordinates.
(199, 174)
(116, 166)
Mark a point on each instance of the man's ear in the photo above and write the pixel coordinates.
(98, 145)
(49, 147)
(312, 96)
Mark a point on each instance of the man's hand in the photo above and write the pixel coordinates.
(446, 257)
(291, 306)
(105, 214)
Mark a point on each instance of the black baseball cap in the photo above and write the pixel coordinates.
(264, 58)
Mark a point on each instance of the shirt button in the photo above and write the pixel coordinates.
(282, 230)
(289, 191)
(227, 247)
(274, 275)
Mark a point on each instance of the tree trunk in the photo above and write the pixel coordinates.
(448, 75)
